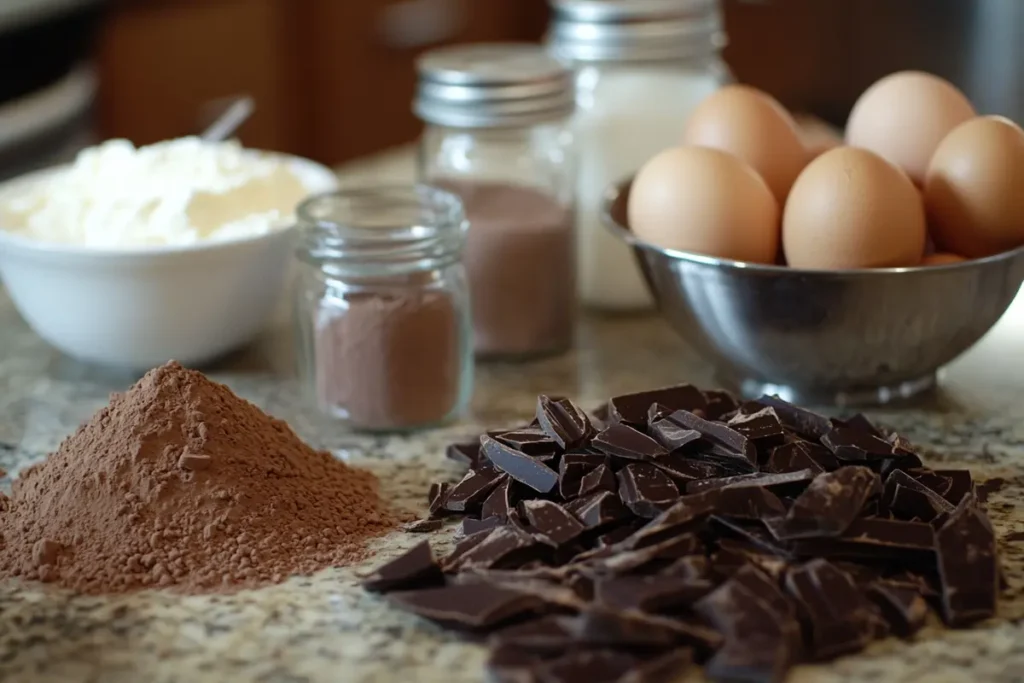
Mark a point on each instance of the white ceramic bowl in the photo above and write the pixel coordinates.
(138, 308)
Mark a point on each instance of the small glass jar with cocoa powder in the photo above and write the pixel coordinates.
(383, 306)
(499, 135)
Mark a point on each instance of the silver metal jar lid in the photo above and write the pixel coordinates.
(492, 85)
(635, 30)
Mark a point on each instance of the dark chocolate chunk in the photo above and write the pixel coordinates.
(616, 536)
(907, 498)
(682, 517)
(563, 421)
(471, 526)
(689, 568)
(828, 506)
(903, 608)
(474, 488)
(519, 465)
(414, 569)
(879, 540)
(666, 668)
(602, 627)
(656, 412)
(804, 422)
(464, 453)
(500, 500)
(599, 509)
(836, 613)
(901, 447)
(545, 635)
(682, 469)
(632, 409)
(672, 436)
(718, 404)
(854, 445)
(728, 439)
(504, 547)
(757, 659)
(571, 471)
(753, 534)
(437, 497)
(762, 427)
(745, 503)
(861, 423)
(422, 526)
(783, 483)
(472, 606)
(531, 441)
(960, 484)
(587, 666)
(550, 522)
(968, 565)
(622, 441)
(625, 561)
(600, 479)
(936, 482)
(645, 489)
(665, 594)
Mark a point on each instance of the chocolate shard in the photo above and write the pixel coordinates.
(464, 453)
(829, 505)
(745, 503)
(645, 489)
(719, 403)
(571, 471)
(622, 441)
(730, 441)
(437, 498)
(596, 627)
(414, 569)
(806, 423)
(878, 540)
(961, 483)
(473, 606)
(862, 423)
(836, 613)
(907, 498)
(472, 526)
(422, 526)
(550, 522)
(903, 608)
(519, 465)
(671, 436)
(656, 412)
(785, 483)
(685, 515)
(763, 427)
(662, 594)
(666, 668)
(500, 500)
(504, 547)
(599, 509)
(968, 565)
(599, 479)
(632, 409)
(563, 421)
(854, 445)
(682, 469)
(529, 440)
(622, 561)
(587, 665)
(689, 568)
(468, 494)
(758, 540)
(547, 635)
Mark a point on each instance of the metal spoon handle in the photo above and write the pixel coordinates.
(228, 122)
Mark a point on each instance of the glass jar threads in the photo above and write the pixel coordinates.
(383, 306)
(498, 135)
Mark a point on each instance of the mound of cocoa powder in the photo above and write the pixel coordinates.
(179, 482)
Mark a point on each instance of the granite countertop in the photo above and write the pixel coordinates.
(324, 628)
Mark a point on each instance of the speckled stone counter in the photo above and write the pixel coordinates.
(324, 628)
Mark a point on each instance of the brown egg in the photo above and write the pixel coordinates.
(707, 202)
(941, 259)
(904, 116)
(755, 127)
(974, 190)
(850, 208)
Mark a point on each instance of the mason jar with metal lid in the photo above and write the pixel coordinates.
(642, 66)
(498, 134)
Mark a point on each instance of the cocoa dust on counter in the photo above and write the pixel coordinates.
(180, 483)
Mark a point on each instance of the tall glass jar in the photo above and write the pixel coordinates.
(642, 66)
(383, 307)
(498, 134)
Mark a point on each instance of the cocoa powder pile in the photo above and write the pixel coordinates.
(179, 482)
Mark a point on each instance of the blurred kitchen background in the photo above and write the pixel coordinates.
(333, 79)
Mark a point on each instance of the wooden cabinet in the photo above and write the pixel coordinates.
(332, 79)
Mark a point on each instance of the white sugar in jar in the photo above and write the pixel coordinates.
(642, 66)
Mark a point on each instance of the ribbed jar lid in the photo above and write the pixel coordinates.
(492, 85)
(636, 30)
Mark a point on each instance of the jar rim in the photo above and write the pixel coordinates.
(409, 226)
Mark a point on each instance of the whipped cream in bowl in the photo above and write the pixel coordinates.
(132, 256)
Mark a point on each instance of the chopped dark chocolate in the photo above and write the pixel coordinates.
(471, 606)
(835, 612)
(903, 608)
(828, 506)
(752, 533)
(437, 497)
(662, 594)
(500, 500)
(587, 666)
(718, 404)
(599, 509)
(504, 547)
(550, 522)
(645, 489)
(563, 421)
(599, 479)
(632, 409)
(529, 440)
(960, 484)
(730, 441)
(622, 441)
(571, 471)
(471, 526)
(854, 445)
(547, 635)
(682, 469)
(783, 483)
(416, 568)
(879, 540)
(464, 453)
(689, 568)
(745, 503)
(519, 465)
(468, 494)
(968, 565)
(762, 427)
(800, 455)
(862, 423)
(422, 526)
(625, 561)
(757, 658)
(806, 423)
(673, 437)
(656, 412)
(907, 498)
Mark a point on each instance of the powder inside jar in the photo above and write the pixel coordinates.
(520, 261)
(390, 360)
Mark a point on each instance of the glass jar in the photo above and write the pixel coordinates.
(383, 307)
(498, 134)
(642, 66)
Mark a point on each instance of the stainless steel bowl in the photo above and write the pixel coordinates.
(851, 337)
